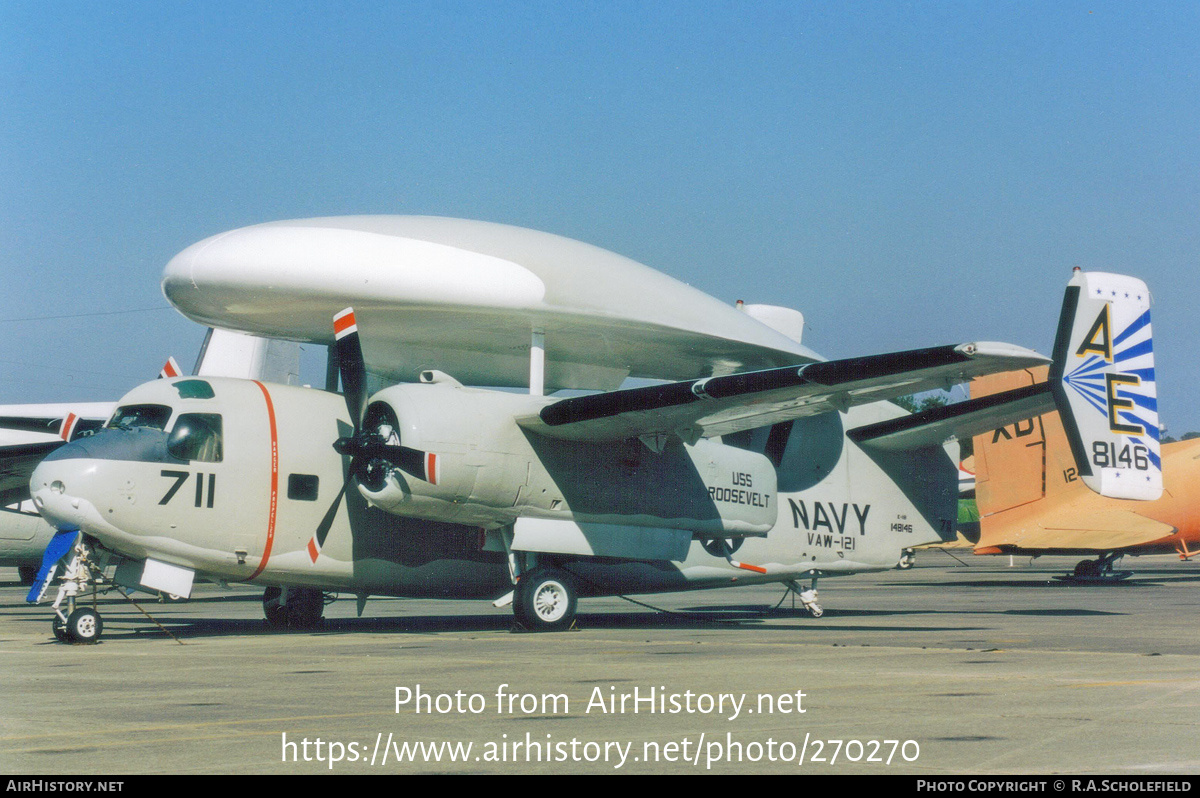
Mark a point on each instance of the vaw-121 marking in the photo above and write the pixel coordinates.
(759, 450)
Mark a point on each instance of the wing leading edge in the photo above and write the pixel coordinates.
(721, 405)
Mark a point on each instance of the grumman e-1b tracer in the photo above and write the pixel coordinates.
(757, 462)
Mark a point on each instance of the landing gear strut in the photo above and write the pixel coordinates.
(807, 597)
(72, 623)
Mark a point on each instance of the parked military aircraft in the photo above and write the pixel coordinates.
(758, 448)
(1031, 500)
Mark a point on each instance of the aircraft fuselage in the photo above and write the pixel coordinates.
(267, 499)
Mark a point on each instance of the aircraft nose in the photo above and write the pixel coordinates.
(59, 488)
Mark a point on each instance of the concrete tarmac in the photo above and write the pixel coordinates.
(971, 669)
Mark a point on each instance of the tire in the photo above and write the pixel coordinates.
(304, 608)
(27, 573)
(84, 626)
(273, 608)
(60, 631)
(545, 600)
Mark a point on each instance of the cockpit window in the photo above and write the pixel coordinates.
(134, 416)
(194, 389)
(197, 436)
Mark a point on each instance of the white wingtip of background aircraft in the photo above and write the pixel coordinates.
(428, 487)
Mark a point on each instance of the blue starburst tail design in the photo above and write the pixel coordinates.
(1104, 384)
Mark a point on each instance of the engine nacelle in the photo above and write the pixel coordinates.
(454, 436)
(467, 461)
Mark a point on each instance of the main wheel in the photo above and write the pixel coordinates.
(545, 600)
(84, 625)
(27, 573)
(305, 607)
(274, 608)
(303, 610)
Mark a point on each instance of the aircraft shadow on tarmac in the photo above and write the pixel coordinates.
(1049, 579)
(123, 621)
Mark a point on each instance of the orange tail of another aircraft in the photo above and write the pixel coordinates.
(1031, 499)
(1023, 462)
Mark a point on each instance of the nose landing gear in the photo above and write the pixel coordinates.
(72, 622)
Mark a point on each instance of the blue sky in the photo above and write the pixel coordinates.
(906, 174)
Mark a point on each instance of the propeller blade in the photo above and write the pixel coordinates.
(318, 539)
(414, 462)
(350, 364)
(366, 446)
(170, 369)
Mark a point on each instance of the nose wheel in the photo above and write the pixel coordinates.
(84, 625)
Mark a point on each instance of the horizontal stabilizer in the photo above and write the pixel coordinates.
(1072, 528)
(726, 404)
(961, 420)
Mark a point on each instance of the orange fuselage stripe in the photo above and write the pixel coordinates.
(266, 555)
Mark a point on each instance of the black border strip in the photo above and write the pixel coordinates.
(829, 373)
(938, 414)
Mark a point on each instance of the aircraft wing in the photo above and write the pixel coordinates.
(963, 419)
(16, 466)
(1073, 528)
(721, 405)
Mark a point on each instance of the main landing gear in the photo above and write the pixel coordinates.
(807, 597)
(1097, 570)
(545, 600)
(293, 607)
